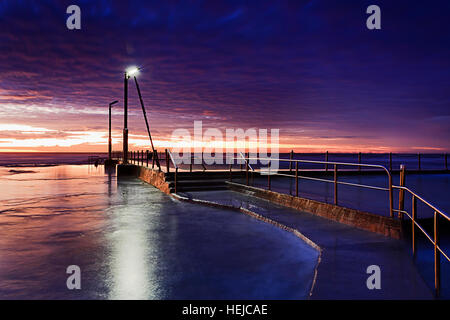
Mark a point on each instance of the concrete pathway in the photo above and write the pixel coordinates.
(346, 252)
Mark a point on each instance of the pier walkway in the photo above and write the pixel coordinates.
(350, 240)
(346, 252)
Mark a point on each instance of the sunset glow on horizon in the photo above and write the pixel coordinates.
(38, 139)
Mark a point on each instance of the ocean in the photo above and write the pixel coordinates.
(411, 161)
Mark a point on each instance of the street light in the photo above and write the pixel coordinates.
(128, 73)
(132, 71)
(109, 139)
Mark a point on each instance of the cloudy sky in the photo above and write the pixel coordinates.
(310, 68)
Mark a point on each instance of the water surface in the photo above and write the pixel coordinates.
(133, 242)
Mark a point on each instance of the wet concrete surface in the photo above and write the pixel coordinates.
(346, 253)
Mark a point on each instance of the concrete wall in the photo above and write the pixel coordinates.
(359, 219)
(153, 177)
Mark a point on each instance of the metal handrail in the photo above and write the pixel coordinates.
(245, 160)
(437, 212)
(325, 162)
(335, 181)
(424, 201)
(434, 240)
(331, 181)
(172, 159)
(424, 232)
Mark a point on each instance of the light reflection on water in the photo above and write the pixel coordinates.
(133, 242)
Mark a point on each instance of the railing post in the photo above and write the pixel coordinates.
(175, 178)
(326, 160)
(420, 165)
(445, 160)
(146, 158)
(335, 185)
(231, 172)
(268, 177)
(158, 156)
(246, 171)
(167, 160)
(391, 197)
(242, 165)
(413, 230)
(153, 159)
(359, 161)
(291, 156)
(401, 193)
(390, 161)
(296, 179)
(437, 256)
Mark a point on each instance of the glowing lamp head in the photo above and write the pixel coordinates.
(132, 71)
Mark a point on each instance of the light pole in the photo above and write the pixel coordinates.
(109, 137)
(128, 73)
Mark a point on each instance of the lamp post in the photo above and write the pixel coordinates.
(128, 73)
(109, 136)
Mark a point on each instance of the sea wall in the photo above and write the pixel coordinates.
(154, 177)
(355, 218)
